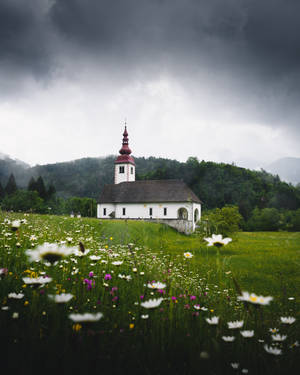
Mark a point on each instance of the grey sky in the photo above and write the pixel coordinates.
(216, 79)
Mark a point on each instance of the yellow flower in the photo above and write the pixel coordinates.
(26, 303)
(111, 238)
(76, 327)
(131, 325)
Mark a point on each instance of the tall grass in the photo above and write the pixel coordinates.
(175, 337)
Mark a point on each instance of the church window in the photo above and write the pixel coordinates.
(121, 169)
(165, 211)
(124, 211)
(104, 211)
(150, 211)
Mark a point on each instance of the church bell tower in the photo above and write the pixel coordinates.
(124, 164)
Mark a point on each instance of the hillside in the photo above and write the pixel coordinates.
(216, 184)
(287, 168)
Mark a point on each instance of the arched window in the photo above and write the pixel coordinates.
(182, 213)
(196, 215)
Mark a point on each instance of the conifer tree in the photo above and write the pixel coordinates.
(51, 191)
(40, 188)
(32, 185)
(11, 186)
(2, 192)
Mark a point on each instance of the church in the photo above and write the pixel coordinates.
(166, 201)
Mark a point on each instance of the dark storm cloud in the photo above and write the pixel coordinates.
(24, 37)
(250, 49)
(266, 31)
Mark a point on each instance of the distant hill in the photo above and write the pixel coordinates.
(288, 169)
(216, 184)
(15, 166)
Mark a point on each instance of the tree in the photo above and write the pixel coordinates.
(40, 188)
(2, 192)
(221, 221)
(51, 191)
(11, 186)
(32, 185)
(23, 200)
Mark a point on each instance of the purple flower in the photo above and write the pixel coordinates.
(141, 297)
(107, 276)
(89, 283)
(174, 298)
(192, 298)
(91, 274)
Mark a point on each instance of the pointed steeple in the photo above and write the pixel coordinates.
(125, 151)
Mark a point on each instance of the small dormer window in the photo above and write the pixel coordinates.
(121, 169)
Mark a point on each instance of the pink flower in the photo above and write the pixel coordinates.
(107, 276)
(192, 298)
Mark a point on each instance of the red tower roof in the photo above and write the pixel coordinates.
(125, 151)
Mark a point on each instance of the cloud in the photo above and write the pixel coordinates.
(224, 65)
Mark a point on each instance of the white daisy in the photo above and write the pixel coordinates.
(236, 324)
(152, 303)
(228, 338)
(272, 350)
(217, 240)
(157, 285)
(213, 320)
(253, 298)
(61, 298)
(16, 296)
(117, 263)
(37, 281)
(188, 255)
(87, 317)
(50, 252)
(247, 333)
(279, 337)
(287, 320)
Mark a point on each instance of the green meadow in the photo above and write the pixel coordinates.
(114, 272)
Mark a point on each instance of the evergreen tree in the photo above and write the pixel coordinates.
(32, 186)
(2, 192)
(40, 188)
(11, 186)
(51, 191)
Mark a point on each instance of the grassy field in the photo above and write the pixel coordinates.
(112, 276)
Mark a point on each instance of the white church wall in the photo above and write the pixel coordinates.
(142, 211)
(104, 210)
(127, 176)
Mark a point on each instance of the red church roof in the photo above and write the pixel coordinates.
(125, 151)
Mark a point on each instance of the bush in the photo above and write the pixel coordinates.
(221, 221)
(23, 200)
(267, 219)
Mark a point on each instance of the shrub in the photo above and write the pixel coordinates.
(222, 221)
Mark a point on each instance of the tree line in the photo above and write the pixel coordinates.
(39, 198)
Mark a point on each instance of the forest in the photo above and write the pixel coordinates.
(74, 187)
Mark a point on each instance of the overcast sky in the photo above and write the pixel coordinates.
(215, 79)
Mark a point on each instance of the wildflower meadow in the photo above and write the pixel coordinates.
(82, 295)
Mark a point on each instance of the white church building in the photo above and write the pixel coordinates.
(167, 201)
